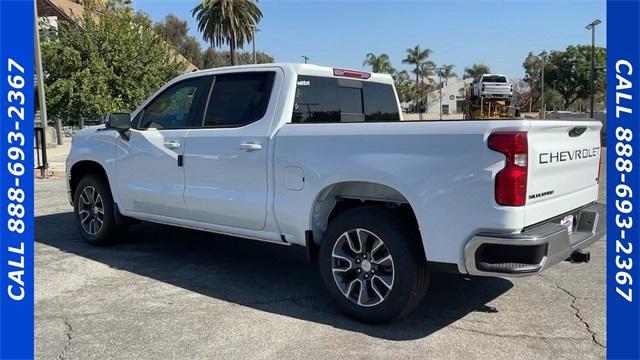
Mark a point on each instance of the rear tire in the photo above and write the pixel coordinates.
(94, 211)
(377, 249)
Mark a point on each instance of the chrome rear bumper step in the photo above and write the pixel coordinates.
(537, 247)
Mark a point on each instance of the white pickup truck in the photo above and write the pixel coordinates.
(492, 86)
(319, 157)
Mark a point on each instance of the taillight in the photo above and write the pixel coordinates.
(482, 87)
(351, 74)
(511, 181)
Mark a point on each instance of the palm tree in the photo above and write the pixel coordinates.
(417, 57)
(231, 22)
(446, 71)
(475, 70)
(428, 82)
(379, 63)
(428, 72)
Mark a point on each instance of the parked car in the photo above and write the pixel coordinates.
(492, 86)
(297, 154)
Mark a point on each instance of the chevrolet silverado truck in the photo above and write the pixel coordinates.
(492, 86)
(297, 154)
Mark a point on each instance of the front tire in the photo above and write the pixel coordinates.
(94, 211)
(372, 265)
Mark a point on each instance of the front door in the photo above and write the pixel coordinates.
(149, 175)
(225, 161)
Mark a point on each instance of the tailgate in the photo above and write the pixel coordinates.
(564, 158)
(496, 88)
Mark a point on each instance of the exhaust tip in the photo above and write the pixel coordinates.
(579, 256)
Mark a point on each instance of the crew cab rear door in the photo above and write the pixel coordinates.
(563, 165)
(226, 159)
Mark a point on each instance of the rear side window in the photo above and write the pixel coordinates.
(332, 100)
(239, 99)
(494, 79)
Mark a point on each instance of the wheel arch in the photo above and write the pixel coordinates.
(82, 168)
(338, 197)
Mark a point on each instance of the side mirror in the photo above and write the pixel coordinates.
(120, 122)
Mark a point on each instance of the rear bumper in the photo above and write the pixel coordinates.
(537, 247)
(496, 95)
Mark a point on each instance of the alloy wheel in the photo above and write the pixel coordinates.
(362, 267)
(91, 210)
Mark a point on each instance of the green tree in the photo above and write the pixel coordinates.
(176, 32)
(446, 71)
(533, 66)
(428, 73)
(379, 63)
(228, 22)
(405, 87)
(213, 59)
(475, 70)
(568, 72)
(553, 100)
(247, 58)
(418, 57)
(105, 64)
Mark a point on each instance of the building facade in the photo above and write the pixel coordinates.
(449, 95)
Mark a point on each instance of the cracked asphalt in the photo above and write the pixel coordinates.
(166, 293)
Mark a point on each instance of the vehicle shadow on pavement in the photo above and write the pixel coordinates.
(262, 276)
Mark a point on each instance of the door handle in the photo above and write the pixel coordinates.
(172, 145)
(250, 147)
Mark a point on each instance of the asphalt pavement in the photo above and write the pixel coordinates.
(169, 293)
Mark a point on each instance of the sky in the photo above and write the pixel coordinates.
(341, 33)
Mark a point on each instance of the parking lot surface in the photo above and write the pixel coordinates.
(165, 292)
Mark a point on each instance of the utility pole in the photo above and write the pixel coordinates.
(418, 93)
(39, 72)
(592, 27)
(542, 114)
(440, 70)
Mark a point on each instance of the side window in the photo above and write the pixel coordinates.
(239, 99)
(174, 108)
(331, 100)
